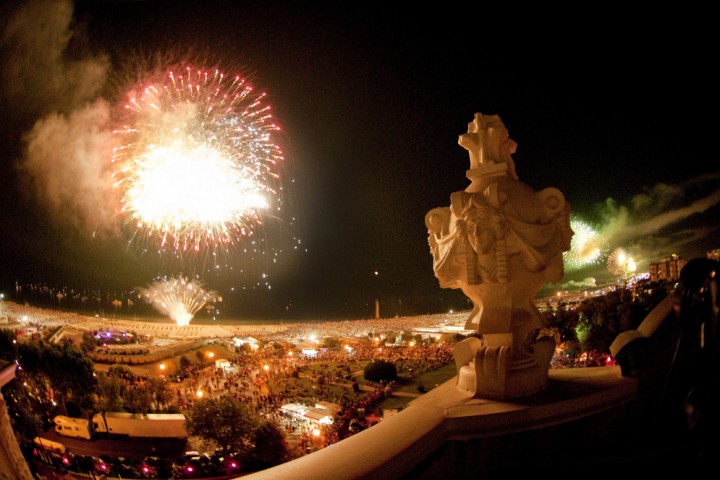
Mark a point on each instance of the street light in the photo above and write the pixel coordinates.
(266, 368)
(377, 297)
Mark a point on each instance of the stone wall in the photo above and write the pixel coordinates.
(148, 355)
(12, 462)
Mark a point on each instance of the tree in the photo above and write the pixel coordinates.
(563, 320)
(270, 446)
(380, 371)
(110, 392)
(64, 368)
(200, 357)
(121, 371)
(185, 366)
(70, 372)
(138, 399)
(89, 343)
(277, 348)
(406, 337)
(43, 369)
(24, 410)
(159, 392)
(225, 422)
(331, 343)
(8, 344)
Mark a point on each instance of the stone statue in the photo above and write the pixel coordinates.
(500, 241)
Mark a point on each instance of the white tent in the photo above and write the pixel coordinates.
(319, 415)
(223, 363)
(295, 409)
(333, 407)
(309, 414)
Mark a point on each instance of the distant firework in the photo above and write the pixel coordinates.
(178, 297)
(197, 164)
(620, 263)
(587, 246)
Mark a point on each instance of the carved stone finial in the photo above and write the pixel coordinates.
(490, 147)
(500, 242)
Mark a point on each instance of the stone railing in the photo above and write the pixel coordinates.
(448, 434)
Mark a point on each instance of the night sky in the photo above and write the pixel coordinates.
(371, 99)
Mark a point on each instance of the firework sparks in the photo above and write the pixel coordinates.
(178, 297)
(587, 245)
(620, 264)
(197, 166)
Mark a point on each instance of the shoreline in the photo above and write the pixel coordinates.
(164, 327)
(204, 321)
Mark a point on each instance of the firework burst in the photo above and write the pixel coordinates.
(620, 263)
(197, 165)
(178, 297)
(587, 246)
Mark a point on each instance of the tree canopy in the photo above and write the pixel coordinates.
(380, 371)
(45, 372)
(238, 431)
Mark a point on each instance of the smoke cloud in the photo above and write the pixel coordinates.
(652, 211)
(663, 220)
(50, 81)
(67, 165)
(40, 76)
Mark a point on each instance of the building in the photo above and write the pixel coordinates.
(667, 268)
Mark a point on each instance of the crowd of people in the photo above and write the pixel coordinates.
(271, 331)
(267, 379)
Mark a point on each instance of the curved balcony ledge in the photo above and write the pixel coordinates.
(445, 432)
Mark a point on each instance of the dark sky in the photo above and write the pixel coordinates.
(615, 111)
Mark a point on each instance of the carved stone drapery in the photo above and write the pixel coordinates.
(500, 241)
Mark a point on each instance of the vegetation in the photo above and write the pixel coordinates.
(270, 447)
(110, 392)
(587, 330)
(120, 390)
(380, 371)
(237, 431)
(47, 375)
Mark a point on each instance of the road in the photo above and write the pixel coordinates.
(128, 448)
